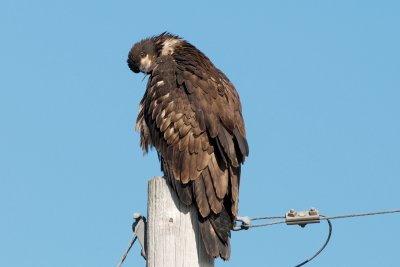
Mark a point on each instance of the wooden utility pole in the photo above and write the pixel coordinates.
(173, 235)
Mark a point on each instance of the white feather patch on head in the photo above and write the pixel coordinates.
(168, 46)
(145, 64)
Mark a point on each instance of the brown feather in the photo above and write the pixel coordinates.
(183, 129)
(215, 204)
(184, 192)
(176, 117)
(185, 168)
(235, 182)
(170, 108)
(193, 172)
(168, 134)
(191, 143)
(219, 177)
(174, 139)
(165, 123)
(203, 160)
(156, 111)
(227, 143)
(211, 122)
(210, 238)
(183, 143)
(201, 197)
(197, 144)
(205, 143)
(178, 159)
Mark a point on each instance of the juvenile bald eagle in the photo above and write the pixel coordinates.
(191, 114)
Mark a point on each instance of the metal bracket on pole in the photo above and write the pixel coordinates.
(139, 227)
(302, 218)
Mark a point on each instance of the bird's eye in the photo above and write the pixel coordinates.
(142, 54)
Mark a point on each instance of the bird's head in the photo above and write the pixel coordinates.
(143, 54)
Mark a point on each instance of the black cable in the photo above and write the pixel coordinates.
(322, 248)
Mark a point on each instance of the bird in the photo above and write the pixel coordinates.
(192, 115)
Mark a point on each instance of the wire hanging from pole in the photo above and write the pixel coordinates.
(323, 246)
(127, 250)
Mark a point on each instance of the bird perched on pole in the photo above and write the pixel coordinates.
(192, 115)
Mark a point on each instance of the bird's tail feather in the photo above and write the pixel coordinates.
(215, 233)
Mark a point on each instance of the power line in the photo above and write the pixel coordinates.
(246, 221)
(303, 218)
(360, 214)
(267, 218)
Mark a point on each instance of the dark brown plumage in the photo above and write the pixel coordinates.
(191, 114)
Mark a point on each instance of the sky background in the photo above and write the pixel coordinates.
(320, 88)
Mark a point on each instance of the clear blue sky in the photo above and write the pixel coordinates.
(320, 88)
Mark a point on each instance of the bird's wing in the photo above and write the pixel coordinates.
(217, 106)
(198, 131)
(218, 112)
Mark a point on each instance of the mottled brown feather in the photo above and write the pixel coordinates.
(200, 195)
(214, 202)
(219, 177)
(185, 168)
